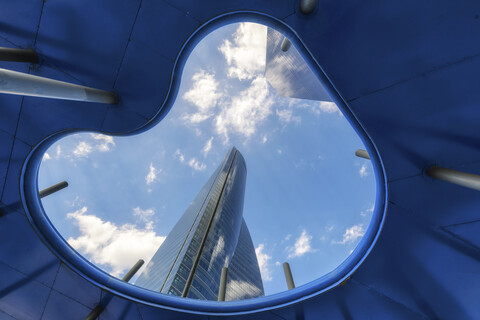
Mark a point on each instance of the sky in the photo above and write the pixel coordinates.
(308, 199)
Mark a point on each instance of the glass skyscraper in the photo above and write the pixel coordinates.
(288, 73)
(210, 235)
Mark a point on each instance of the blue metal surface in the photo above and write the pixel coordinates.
(405, 74)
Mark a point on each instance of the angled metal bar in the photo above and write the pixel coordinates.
(132, 271)
(223, 284)
(288, 276)
(56, 187)
(18, 55)
(13, 82)
(362, 154)
(95, 313)
(286, 44)
(464, 179)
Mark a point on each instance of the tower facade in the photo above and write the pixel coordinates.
(210, 235)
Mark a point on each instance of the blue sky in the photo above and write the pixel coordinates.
(308, 198)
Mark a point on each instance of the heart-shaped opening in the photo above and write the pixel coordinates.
(308, 198)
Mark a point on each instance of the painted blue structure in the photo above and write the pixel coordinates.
(404, 73)
(210, 235)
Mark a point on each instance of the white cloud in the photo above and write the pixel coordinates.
(58, 152)
(117, 248)
(144, 215)
(204, 95)
(263, 259)
(104, 143)
(208, 147)
(100, 143)
(264, 139)
(246, 54)
(178, 155)
(83, 149)
(246, 111)
(363, 171)
(286, 116)
(328, 107)
(352, 234)
(197, 165)
(302, 245)
(46, 157)
(152, 175)
(368, 211)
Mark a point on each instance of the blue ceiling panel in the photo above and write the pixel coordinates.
(4, 316)
(10, 195)
(424, 202)
(85, 292)
(28, 256)
(156, 33)
(365, 46)
(118, 308)
(19, 21)
(351, 301)
(151, 313)
(60, 306)
(467, 231)
(266, 315)
(122, 119)
(144, 86)
(6, 141)
(21, 296)
(100, 41)
(408, 120)
(204, 10)
(10, 106)
(427, 269)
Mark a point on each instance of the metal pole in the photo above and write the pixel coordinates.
(307, 6)
(362, 154)
(288, 276)
(17, 55)
(95, 313)
(134, 270)
(223, 284)
(286, 44)
(56, 187)
(460, 178)
(13, 82)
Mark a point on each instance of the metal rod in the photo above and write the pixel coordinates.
(18, 55)
(286, 44)
(460, 178)
(288, 276)
(13, 82)
(95, 313)
(223, 284)
(134, 270)
(362, 154)
(56, 187)
(307, 6)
